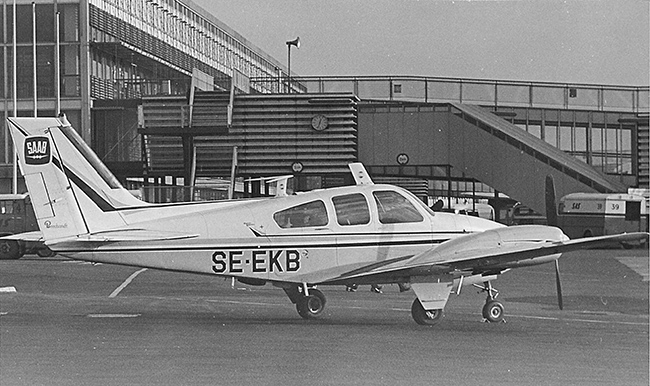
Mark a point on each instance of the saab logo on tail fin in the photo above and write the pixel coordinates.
(37, 150)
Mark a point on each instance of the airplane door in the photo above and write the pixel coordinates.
(356, 231)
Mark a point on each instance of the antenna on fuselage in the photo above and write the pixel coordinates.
(361, 176)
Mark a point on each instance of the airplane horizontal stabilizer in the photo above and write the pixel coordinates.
(134, 235)
(25, 236)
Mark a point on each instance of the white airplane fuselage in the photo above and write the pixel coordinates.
(242, 238)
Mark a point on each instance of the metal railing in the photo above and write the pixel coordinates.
(474, 91)
(133, 88)
(591, 97)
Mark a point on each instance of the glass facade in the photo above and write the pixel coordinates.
(177, 34)
(597, 138)
(45, 61)
(45, 56)
(135, 48)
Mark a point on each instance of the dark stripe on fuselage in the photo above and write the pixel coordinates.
(378, 244)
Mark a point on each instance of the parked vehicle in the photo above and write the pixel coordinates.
(597, 214)
(17, 216)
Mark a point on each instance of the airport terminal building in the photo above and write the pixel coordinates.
(163, 90)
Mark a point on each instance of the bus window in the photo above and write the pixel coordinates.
(632, 210)
(394, 208)
(351, 209)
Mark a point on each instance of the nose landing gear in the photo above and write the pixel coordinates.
(493, 309)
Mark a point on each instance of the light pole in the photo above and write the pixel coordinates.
(294, 42)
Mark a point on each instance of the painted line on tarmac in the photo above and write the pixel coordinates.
(408, 310)
(79, 262)
(113, 315)
(579, 320)
(636, 263)
(534, 317)
(126, 283)
(243, 303)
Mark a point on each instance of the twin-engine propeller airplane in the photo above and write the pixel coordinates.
(363, 234)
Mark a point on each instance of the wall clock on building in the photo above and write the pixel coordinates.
(319, 122)
(297, 167)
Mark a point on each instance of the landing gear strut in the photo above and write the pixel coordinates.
(310, 302)
(492, 310)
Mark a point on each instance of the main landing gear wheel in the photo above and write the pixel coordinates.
(493, 311)
(424, 317)
(311, 306)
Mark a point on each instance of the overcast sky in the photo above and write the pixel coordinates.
(587, 41)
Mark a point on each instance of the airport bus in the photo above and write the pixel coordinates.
(597, 214)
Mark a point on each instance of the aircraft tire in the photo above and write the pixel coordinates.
(319, 294)
(9, 250)
(311, 307)
(493, 311)
(424, 317)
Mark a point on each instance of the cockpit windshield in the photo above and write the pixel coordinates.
(421, 204)
(394, 208)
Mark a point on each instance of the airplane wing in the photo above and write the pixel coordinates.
(489, 252)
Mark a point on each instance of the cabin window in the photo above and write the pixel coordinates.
(351, 209)
(311, 214)
(394, 208)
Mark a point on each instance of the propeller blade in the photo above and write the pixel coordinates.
(558, 284)
(551, 206)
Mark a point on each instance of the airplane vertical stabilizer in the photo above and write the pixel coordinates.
(72, 191)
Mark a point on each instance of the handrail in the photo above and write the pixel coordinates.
(508, 93)
(580, 96)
